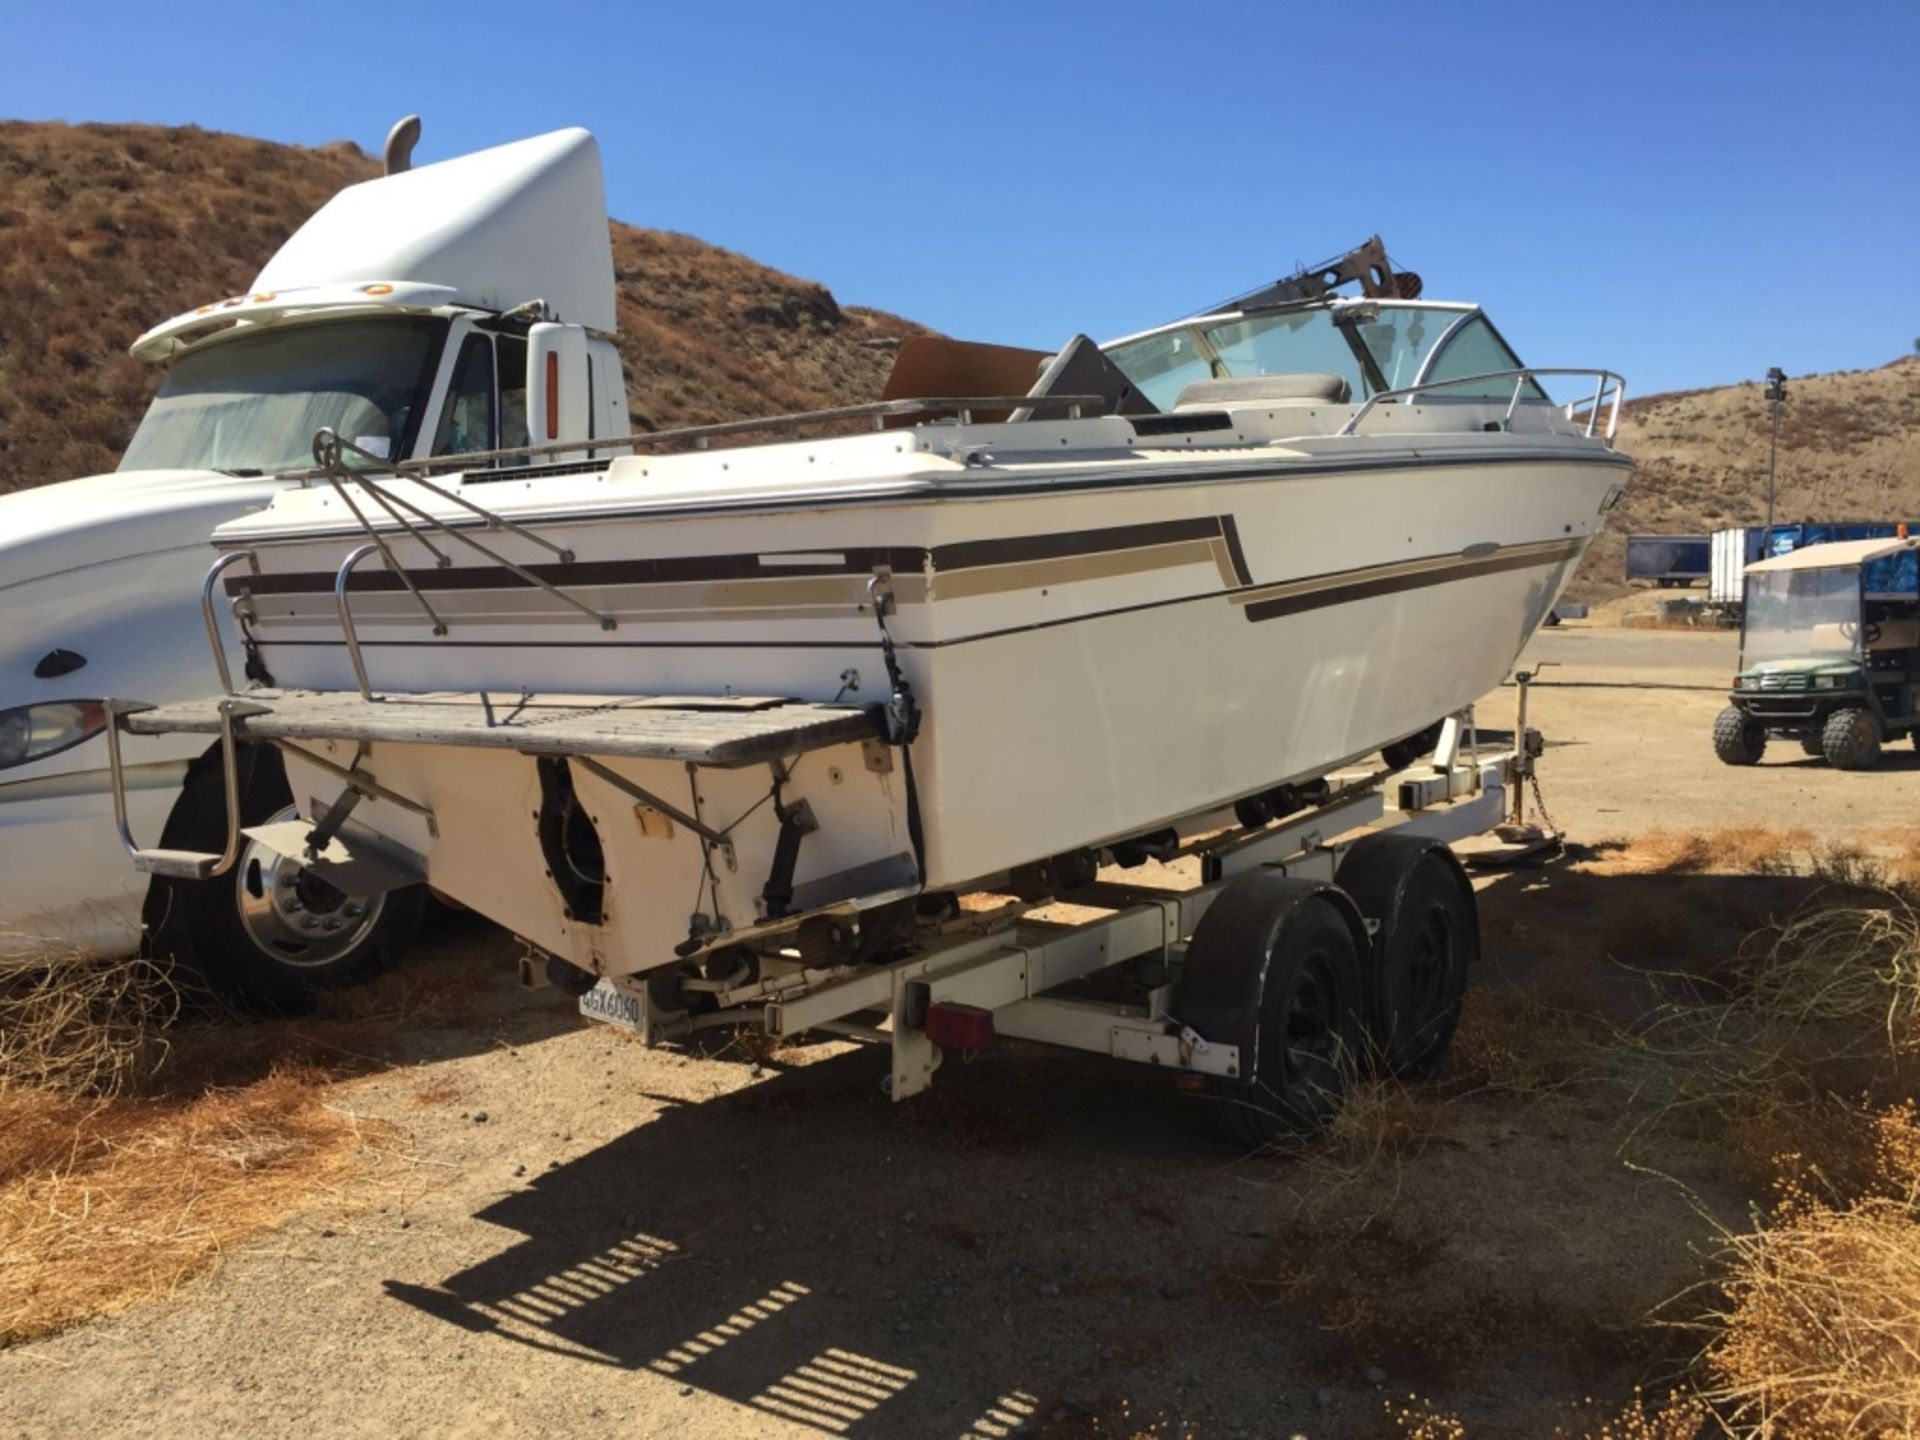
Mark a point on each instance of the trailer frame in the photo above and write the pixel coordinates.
(1012, 971)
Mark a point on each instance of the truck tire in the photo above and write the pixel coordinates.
(1425, 944)
(1810, 743)
(1738, 739)
(1851, 739)
(1291, 964)
(267, 935)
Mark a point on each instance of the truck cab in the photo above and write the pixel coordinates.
(1829, 653)
(458, 309)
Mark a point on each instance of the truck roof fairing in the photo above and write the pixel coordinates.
(492, 230)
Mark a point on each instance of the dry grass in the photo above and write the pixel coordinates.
(1647, 1031)
(1820, 1331)
(105, 1203)
(73, 1025)
(133, 1151)
(1679, 1417)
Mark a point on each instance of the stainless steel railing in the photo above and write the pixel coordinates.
(1603, 379)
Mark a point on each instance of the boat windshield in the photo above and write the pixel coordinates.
(1801, 615)
(252, 402)
(1372, 345)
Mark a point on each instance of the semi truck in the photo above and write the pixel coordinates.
(463, 307)
(1669, 560)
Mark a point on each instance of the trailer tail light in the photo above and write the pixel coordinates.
(553, 395)
(959, 1027)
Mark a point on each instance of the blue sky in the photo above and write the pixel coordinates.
(1687, 193)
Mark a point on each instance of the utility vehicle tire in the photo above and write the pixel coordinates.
(1309, 1030)
(1810, 742)
(1738, 739)
(1426, 943)
(267, 935)
(1403, 753)
(1851, 739)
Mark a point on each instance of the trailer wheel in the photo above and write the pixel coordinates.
(1275, 965)
(267, 935)
(1851, 739)
(1738, 739)
(1425, 946)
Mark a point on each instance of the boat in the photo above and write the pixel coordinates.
(760, 684)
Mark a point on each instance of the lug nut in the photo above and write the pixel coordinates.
(307, 922)
(353, 910)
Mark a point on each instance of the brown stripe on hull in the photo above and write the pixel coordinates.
(966, 555)
(1320, 592)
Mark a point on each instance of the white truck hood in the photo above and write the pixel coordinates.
(56, 528)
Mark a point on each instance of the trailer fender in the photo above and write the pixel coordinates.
(1225, 974)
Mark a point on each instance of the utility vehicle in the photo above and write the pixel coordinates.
(1829, 654)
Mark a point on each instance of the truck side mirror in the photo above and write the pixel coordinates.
(557, 389)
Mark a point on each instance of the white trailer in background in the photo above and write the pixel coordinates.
(1733, 550)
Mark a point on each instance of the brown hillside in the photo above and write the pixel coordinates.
(1849, 450)
(108, 229)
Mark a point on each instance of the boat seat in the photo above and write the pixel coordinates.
(1259, 389)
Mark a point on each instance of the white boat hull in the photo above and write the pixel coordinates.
(1091, 666)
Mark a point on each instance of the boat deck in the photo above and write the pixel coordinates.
(723, 731)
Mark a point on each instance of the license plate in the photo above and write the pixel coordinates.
(613, 1004)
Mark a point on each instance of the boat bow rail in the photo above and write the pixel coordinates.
(1609, 389)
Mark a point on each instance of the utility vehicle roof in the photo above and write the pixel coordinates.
(1835, 554)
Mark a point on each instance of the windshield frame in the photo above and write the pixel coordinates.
(435, 328)
(1345, 315)
(1758, 604)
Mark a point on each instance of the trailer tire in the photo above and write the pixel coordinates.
(1426, 944)
(1738, 739)
(1274, 966)
(1851, 739)
(231, 934)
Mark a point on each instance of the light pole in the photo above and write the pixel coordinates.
(1776, 397)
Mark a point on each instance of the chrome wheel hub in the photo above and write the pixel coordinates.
(293, 916)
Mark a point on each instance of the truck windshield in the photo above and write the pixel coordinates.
(1801, 615)
(254, 401)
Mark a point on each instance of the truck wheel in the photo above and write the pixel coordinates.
(1738, 739)
(268, 935)
(1403, 753)
(1285, 966)
(1851, 739)
(1426, 943)
(1810, 742)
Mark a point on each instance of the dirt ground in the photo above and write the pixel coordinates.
(570, 1232)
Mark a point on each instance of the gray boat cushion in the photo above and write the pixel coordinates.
(1254, 389)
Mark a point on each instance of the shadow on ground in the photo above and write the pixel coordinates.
(805, 1249)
